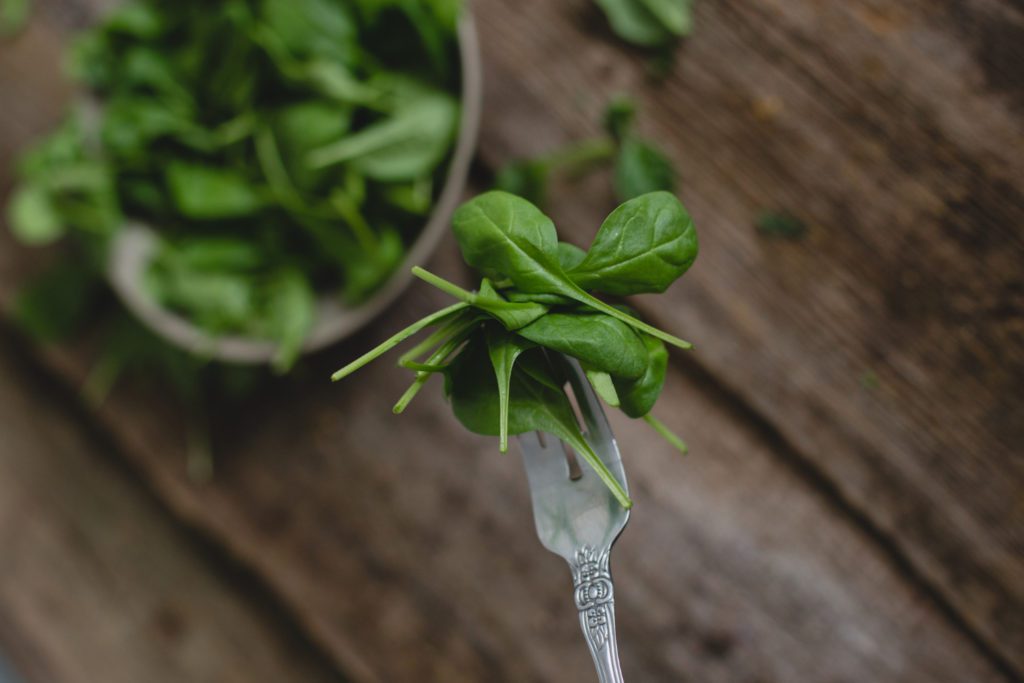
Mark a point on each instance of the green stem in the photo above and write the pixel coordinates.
(583, 448)
(432, 340)
(437, 358)
(355, 220)
(444, 285)
(579, 157)
(595, 303)
(397, 339)
(666, 433)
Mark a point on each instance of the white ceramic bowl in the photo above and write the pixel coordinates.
(135, 245)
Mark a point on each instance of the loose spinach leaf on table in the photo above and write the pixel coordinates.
(638, 165)
(499, 347)
(649, 23)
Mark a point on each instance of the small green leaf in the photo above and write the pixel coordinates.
(643, 246)
(503, 348)
(635, 23)
(33, 218)
(290, 307)
(597, 340)
(782, 225)
(603, 386)
(619, 116)
(527, 178)
(13, 16)
(405, 146)
(640, 168)
(638, 395)
(675, 15)
(208, 192)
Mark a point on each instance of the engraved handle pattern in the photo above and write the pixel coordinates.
(595, 600)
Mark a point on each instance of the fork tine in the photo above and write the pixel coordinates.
(545, 461)
(599, 432)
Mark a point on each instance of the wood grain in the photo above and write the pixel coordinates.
(894, 131)
(97, 583)
(407, 551)
(781, 550)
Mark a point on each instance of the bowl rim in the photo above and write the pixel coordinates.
(135, 244)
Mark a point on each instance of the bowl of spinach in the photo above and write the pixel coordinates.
(255, 178)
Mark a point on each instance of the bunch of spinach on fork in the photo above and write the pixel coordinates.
(280, 148)
(537, 297)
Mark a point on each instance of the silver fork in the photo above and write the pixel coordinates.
(578, 518)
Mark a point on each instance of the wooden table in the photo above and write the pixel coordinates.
(853, 507)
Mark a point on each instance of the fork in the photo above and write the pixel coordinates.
(578, 518)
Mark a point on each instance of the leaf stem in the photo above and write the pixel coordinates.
(444, 285)
(397, 339)
(436, 358)
(595, 303)
(666, 433)
(436, 337)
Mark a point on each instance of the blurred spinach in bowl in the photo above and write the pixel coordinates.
(279, 148)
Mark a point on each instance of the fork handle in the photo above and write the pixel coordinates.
(595, 600)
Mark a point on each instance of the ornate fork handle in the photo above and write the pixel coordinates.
(595, 600)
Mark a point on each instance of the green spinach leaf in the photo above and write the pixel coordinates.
(533, 406)
(596, 339)
(638, 395)
(504, 348)
(643, 246)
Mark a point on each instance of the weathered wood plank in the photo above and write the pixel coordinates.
(97, 583)
(407, 549)
(768, 581)
(894, 130)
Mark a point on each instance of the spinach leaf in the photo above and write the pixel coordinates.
(649, 23)
(493, 332)
(313, 28)
(301, 127)
(603, 386)
(570, 256)
(675, 15)
(640, 168)
(597, 340)
(208, 192)
(619, 116)
(638, 395)
(533, 406)
(512, 315)
(33, 218)
(783, 225)
(634, 22)
(643, 246)
(501, 232)
(527, 178)
(503, 348)
(504, 233)
(403, 146)
(13, 16)
(291, 306)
